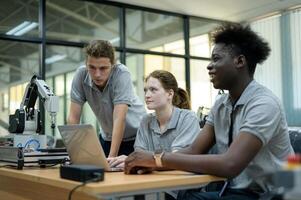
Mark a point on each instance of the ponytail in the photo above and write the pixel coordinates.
(181, 99)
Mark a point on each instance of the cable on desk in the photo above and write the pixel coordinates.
(95, 179)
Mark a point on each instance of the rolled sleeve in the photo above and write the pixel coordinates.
(141, 141)
(210, 118)
(188, 131)
(262, 118)
(77, 90)
(123, 89)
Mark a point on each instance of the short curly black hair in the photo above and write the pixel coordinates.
(242, 40)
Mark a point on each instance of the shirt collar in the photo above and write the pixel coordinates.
(244, 97)
(88, 80)
(154, 125)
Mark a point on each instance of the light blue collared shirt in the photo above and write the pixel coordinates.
(258, 112)
(181, 131)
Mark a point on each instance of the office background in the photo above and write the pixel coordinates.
(46, 37)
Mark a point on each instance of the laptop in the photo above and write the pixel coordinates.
(83, 146)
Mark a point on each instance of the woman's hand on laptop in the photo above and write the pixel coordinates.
(117, 162)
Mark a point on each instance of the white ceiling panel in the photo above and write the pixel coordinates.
(229, 10)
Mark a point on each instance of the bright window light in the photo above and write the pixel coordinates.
(17, 28)
(54, 58)
(22, 28)
(114, 40)
(26, 29)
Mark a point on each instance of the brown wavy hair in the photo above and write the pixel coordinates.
(181, 98)
(100, 48)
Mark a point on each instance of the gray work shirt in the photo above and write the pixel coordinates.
(257, 112)
(118, 90)
(181, 131)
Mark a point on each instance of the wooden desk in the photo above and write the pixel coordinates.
(37, 184)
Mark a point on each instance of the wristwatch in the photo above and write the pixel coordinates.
(158, 158)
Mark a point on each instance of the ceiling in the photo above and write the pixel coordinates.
(228, 10)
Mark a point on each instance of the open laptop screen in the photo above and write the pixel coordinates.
(83, 145)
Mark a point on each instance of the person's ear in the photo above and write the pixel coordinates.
(240, 61)
(171, 93)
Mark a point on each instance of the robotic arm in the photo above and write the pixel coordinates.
(27, 118)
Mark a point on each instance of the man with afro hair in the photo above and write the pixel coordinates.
(247, 124)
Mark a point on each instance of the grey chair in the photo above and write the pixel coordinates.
(295, 138)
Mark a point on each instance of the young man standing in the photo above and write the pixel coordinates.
(247, 125)
(108, 89)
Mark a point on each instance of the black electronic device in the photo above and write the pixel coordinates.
(82, 173)
(20, 157)
(53, 150)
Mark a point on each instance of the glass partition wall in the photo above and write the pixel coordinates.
(46, 37)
